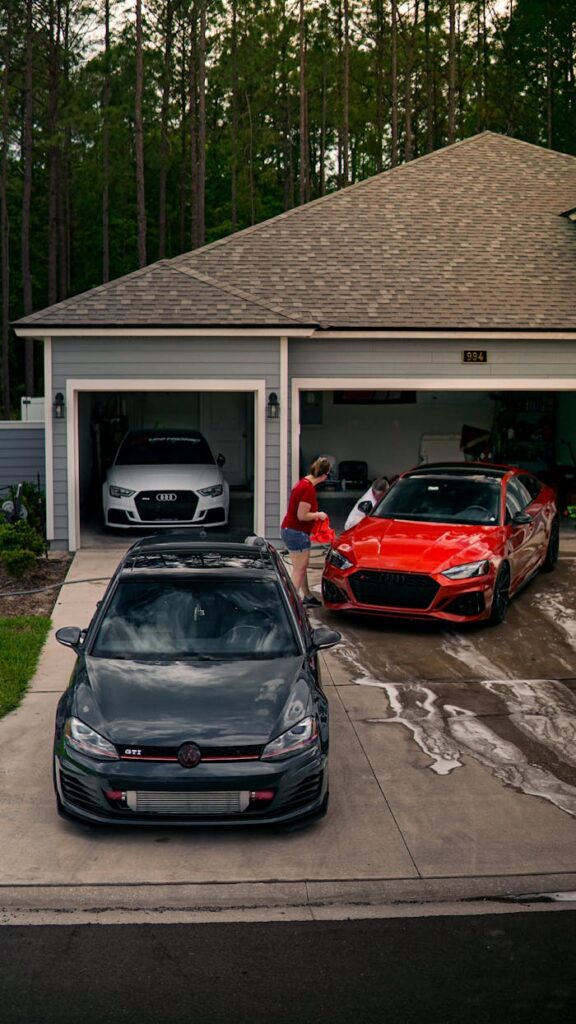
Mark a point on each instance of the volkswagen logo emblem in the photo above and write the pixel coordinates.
(189, 755)
(166, 496)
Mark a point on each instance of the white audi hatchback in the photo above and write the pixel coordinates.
(165, 478)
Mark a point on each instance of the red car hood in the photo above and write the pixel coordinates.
(418, 547)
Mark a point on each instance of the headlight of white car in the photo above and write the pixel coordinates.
(294, 741)
(468, 570)
(211, 492)
(120, 492)
(339, 560)
(81, 737)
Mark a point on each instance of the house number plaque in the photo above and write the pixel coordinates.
(475, 355)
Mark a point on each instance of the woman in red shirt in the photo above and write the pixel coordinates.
(297, 526)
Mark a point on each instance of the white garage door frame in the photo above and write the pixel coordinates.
(75, 386)
(409, 384)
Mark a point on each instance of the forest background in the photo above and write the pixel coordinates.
(134, 130)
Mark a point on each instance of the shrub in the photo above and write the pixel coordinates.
(20, 536)
(18, 562)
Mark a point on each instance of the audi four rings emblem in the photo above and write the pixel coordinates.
(166, 496)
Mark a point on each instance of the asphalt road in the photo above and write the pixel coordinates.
(505, 969)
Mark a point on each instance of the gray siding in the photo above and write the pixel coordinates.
(21, 453)
(169, 359)
(422, 359)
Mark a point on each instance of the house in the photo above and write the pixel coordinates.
(426, 308)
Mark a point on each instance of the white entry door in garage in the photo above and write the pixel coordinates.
(227, 425)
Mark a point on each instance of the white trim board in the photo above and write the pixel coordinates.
(75, 386)
(484, 383)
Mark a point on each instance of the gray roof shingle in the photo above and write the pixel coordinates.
(471, 236)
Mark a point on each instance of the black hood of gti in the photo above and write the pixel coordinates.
(144, 703)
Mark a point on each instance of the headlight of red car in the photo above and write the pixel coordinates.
(337, 559)
(468, 570)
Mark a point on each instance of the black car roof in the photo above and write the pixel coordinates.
(178, 550)
(460, 468)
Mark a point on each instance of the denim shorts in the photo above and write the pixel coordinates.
(296, 540)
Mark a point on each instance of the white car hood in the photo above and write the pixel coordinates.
(149, 478)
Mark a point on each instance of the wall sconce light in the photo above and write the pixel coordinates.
(273, 407)
(58, 406)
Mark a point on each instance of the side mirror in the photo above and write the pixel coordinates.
(521, 519)
(70, 636)
(323, 637)
(220, 460)
(365, 507)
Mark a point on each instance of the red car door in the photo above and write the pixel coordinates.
(521, 540)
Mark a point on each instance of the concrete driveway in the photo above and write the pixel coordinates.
(453, 774)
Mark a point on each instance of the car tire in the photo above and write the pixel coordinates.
(551, 557)
(501, 595)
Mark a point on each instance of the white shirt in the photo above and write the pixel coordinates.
(356, 515)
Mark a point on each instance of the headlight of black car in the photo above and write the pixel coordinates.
(81, 737)
(300, 737)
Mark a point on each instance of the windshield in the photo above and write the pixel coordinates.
(201, 618)
(443, 499)
(176, 449)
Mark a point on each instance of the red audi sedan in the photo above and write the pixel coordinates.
(451, 541)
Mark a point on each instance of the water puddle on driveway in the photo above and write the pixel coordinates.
(522, 730)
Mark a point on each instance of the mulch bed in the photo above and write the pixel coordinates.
(48, 571)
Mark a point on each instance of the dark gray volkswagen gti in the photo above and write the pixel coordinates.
(196, 696)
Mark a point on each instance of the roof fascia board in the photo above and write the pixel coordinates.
(447, 334)
(163, 332)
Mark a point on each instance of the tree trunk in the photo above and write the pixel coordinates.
(29, 385)
(234, 105)
(139, 140)
(346, 98)
(53, 148)
(380, 57)
(429, 80)
(106, 149)
(166, 79)
(201, 175)
(394, 84)
(452, 73)
(304, 159)
(4, 221)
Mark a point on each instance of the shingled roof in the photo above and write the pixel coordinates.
(470, 236)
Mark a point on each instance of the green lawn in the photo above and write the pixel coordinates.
(21, 640)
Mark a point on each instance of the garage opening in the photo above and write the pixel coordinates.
(224, 419)
(369, 433)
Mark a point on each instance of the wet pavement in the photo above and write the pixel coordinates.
(453, 774)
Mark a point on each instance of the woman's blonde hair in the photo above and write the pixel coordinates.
(320, 467)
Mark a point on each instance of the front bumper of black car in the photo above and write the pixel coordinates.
(209, 795)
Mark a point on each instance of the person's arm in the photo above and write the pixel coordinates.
(305, 515)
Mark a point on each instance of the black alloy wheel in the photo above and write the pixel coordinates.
(501, 596)
(551, 559)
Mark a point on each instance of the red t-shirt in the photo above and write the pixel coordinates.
(303, 491)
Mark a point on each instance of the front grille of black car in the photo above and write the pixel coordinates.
(75, 792)
(393, 589)
(170, 506)
(230, 753)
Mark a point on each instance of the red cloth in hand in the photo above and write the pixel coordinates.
(322, 532)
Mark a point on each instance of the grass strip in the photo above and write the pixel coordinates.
(21, 640)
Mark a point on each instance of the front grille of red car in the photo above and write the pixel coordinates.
(393, 589)
(169, 506)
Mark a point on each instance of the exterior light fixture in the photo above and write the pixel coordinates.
(58, 406)
(273, 407)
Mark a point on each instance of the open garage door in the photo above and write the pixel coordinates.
(225, 419)
(368, 433)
